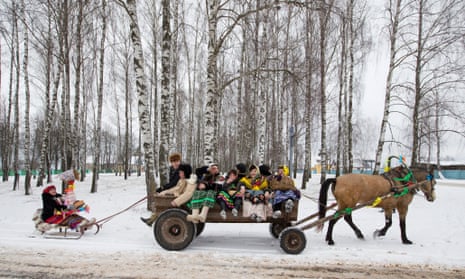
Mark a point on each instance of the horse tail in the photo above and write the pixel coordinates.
(324, 196)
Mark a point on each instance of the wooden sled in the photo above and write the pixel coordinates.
(63, 230)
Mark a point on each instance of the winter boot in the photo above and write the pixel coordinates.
(223, 214)
(149, 221)
(203, 214)
(194, 217)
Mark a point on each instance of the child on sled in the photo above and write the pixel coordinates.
(59, 210)
(55, 213)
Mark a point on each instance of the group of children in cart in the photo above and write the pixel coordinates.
(255, 190)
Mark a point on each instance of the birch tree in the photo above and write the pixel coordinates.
(436, 67)
(98, 130)
(309, 83)
(324, 16)
(143, 101)
(64, 17)
(342, 84)
(76, 139)
(50, 99)
(166, 133)
(394, 10)
(350, 91)
(16, 111)
(154, 83)
(211, 113)
(215, 44)
(7, 134)
(27, 95)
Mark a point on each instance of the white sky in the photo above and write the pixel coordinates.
(374, 82)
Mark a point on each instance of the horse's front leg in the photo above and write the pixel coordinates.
(387, 223)
(403, 230)
(348, 219)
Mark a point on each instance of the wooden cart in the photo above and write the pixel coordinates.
(173, 232)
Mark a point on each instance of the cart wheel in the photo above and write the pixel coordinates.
(200, 227)
(277, 228)
(292, 240)
(172, 231)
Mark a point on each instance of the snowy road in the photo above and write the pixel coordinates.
(125, 247)
(31, 263)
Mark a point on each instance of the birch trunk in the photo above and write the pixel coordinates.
(98, 130)
(350, 156)
(309, 25)
(44, 164)
(240, 116)
(27, 130)
(143, 101)
(176, 130)
(394, 25)
(262, 88)
(83, 120)
(6, 148)
(342, 70)
(417, 91)
(211, 113)
(65, 121)
(324, 15)
(16, 101)
(154, 83)
(165, 111)
(76, 138)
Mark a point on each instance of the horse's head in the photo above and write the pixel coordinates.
(426, 181)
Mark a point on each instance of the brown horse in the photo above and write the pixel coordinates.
(392, 190)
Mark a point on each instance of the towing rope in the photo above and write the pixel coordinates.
(106, 219)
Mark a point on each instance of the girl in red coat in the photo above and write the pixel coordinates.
(53, 206)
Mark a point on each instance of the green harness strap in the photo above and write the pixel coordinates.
(346, 211)
(403, 193)
(406, 178)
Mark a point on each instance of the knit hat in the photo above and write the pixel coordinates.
(187, 169)
(175, 157)
(49, 188)
(264, 170)
(241, 168)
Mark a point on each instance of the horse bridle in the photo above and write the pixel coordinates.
(429, 179)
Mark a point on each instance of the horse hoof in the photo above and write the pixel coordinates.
(406, 241)
(376, 234)
(330, 242)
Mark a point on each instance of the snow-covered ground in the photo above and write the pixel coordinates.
(437, 230)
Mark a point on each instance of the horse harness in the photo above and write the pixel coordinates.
(410, 183)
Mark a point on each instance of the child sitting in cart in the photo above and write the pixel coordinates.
(231, 194)
(256, 195)
(202, 200)
(284, 191)
(181, 193)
